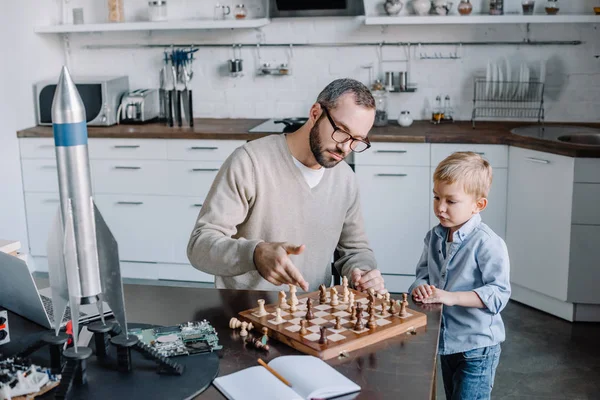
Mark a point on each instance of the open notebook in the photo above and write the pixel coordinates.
(310, 377)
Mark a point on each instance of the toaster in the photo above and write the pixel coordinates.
(141, 105)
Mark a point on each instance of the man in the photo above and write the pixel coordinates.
(290, 196)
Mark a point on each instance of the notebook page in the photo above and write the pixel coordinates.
(254, 383)
(312, 377)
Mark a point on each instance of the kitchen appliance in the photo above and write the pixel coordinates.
(101, 97)
(141, 105)
(315, 8)
(279, 125)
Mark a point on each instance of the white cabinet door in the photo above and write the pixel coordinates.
(395, 208)
(41, 209)
(140, 224)
(184, 212)
(495, 213)
(538, 231)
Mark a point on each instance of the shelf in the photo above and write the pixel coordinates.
(483, 19)
(155, 26)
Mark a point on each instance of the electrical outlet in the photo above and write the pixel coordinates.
(4, 335)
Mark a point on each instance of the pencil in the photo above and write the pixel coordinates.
(271, 370)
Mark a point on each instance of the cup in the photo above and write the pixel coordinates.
(528, 6)
(221, 11)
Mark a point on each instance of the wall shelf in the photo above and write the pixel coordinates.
(155, 26)
(482, 19)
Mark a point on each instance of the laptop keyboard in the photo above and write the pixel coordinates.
(50, 310)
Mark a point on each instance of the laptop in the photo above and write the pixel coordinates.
(19, 294)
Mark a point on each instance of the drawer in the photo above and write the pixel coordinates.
(39, 175)
(41, 210)
(136, 149)
(204, 150)
(141, 225)
(400, 154)
(130, 176)
(496, 154)
(37, 148)
(192, 178)
(184, 213)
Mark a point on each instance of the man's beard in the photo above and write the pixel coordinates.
(316, 148)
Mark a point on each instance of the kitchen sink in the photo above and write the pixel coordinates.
(561, 133)
(582, 138)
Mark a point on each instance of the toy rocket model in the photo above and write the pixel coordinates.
(83, 260)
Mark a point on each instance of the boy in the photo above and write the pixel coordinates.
(465, 266)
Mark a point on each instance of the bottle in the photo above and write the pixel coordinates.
(157, 10)
(438, 112)
(116, 11)
(240, 11)
(447, 109)
(380, 96)
(465, 7)
(552, 7)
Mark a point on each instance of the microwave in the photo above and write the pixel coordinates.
(315, 8)
(101, 97)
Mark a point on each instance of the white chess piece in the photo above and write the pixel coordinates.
(293, 308)
(261, 308)
(278, 318)
(345, 293)
(244, 332)
(282, 301)
(333, 296)
(293, 299)
(345, 282)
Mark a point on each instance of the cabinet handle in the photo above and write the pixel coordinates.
(197, 205)
(537, 160)
(127, 146)
(126, 167)
(203, 148)
(51, 200)
(132, 203)
(391, 151)
(204, 169)
(48, 167)
(46, 146)
(391, 174)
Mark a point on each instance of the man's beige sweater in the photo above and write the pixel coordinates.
(260, 195)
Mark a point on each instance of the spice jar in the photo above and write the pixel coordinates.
(552, 7)
(240, 11)
(380, 96)
(496, 7)
(465, 7)
(157, 10)
(115, 11)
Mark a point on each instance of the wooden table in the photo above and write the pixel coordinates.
(402, 367)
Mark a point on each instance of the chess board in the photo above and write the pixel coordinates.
(345, 339)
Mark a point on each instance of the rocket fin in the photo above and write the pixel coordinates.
(110, 270)
(57, 272)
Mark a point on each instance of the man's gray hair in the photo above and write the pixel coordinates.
(332, 92)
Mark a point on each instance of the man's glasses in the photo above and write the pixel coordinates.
(341, 136)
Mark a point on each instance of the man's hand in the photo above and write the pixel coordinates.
(440, 296)
(366, 279)
(422, 292)
(273, 264)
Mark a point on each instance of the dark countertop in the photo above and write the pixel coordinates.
(400, 367)
(418, 132)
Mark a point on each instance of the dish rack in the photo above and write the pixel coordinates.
(508, 99)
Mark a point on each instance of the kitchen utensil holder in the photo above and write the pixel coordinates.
(513, 102)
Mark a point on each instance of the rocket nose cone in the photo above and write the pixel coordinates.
(67, 107)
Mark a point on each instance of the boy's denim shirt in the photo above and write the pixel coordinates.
(477, 260)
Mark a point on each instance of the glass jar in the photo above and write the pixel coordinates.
(552, 7)
(240, 11)
(465, 7)
(116, 12)
(496, 7)
(437, 115)
(157, 10)
(381, 114)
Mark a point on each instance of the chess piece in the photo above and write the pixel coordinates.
(293, 308)
(350, 301)
(323, 338)
(371, 324)
(278, 318)
(261, 308)
(309, 311)
(234, 323)
(265, 337)
(371, 295)
(387, 297)
(353, 313)
(244, 332)
(303, 330)
(322, 294)
(345, 282)
(334, 298)
(403, 313)
(257, 343)
(293, 299)
(392, 309)
(345, 294)
(338, 323)
(358, 325)
(383, 311)
(282, 300)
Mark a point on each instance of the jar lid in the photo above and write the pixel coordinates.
(157, 3)
(240, 5)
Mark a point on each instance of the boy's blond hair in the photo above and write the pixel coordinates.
(469, 168)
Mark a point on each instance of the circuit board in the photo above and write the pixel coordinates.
(21, 380)
(180, 340)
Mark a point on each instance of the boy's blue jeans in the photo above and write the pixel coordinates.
(470, 375)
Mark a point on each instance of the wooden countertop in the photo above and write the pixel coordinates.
(418, 132)
(400, 367)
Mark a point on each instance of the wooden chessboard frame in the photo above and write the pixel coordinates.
(353, 340)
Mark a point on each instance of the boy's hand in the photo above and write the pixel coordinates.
(440, 296)
(422, 292)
